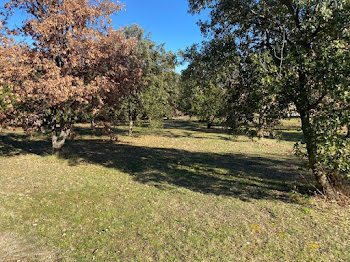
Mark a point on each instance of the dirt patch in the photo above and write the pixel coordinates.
(13, 248)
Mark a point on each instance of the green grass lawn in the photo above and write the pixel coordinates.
(182, 193)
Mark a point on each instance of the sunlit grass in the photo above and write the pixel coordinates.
(182, 193)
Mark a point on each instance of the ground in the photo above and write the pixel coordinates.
(183, 193)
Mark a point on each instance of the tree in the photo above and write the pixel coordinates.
(156, 95)
(71, 60)
(220, 83)
(302, 48)
(203, 84)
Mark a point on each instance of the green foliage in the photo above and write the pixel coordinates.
(4, 98)
(224, 84)
(254, 105)
(204, 86)
(289, 53)
(204, 100)
(157, 96)
(333, 145)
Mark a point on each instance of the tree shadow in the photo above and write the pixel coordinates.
(12, 144)
(195, 126)
(193, 134)
(291, 134)
(241, 176)
(189, 129)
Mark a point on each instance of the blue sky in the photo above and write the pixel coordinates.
(168, 21)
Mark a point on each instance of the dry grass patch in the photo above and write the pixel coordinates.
(15, 248)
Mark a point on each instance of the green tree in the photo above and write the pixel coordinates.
(156, 96)
(302, 49)
(204, 84)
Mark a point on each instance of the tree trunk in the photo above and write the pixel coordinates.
(261, 128)
(59, 138)
(210, 122)
(131, 127)
(311, 146)
(209, 125)
(59, 132)
(131, 120)
(260, 133)
(348, 133)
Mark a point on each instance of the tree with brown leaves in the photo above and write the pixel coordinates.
(71, 60)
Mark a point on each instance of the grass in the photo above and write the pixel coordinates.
(182, 193)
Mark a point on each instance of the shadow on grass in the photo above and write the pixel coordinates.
(188, 134)
(194, 126)
(290, 134)
(242, 176)
(12, 144)
(189, 129)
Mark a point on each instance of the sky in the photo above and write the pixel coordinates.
(168, 21)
